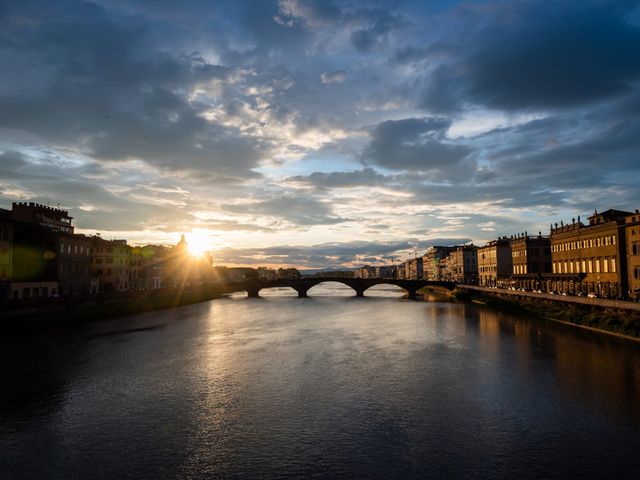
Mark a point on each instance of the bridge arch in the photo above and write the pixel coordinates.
(283, 291)
(334, 280)
(383, 283)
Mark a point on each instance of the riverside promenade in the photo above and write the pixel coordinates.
(570, 299)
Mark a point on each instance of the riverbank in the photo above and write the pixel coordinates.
(595, 317)
(107, 308)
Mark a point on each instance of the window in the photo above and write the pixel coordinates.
(605, 265)
(613, 265)
(597, 265)
(584, 266)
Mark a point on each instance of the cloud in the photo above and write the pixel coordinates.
(300, 210)
(415, 144)
(110, 97)
(368, 38)
(337, 255)
(331, 180)
(312, 12)
(336, 76)
(539, 56)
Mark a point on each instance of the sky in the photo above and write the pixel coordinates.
(316, 133)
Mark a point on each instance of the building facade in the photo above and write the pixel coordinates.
(461, 266)
(51, 218)
(111, 266)
(531, 258)
(590, 258)
(495, 263)
(73, 264)
(433, 262)
(414, 269)
(6, 258)
(632, 236)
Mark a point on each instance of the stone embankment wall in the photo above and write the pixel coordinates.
(542, 297)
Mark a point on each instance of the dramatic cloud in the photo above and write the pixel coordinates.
(540, 55)
(415, 144)
(341, 127)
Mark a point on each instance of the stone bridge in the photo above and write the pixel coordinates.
(359, 285)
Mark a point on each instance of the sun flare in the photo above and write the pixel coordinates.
(198, 245)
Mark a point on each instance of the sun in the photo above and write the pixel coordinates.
(197, 245)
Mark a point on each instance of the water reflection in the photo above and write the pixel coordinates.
(326, 386)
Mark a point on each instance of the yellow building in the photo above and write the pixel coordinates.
(632, 234)
(495, 263)
(590, 258)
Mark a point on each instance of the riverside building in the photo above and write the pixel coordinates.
(6, 257)
(462, 265)
(632, 234)
(111, 266)
(495, 263)
(590, 258)
(531, 257)
(434, 262)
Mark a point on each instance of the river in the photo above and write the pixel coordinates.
(328, 386)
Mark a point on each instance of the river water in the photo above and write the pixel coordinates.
(328, 386)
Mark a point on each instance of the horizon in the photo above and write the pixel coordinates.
(320, 134)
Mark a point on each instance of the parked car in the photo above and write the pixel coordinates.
(592, 295)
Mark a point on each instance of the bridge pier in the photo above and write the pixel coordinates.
(302, 293)
(412, 294)
(359, 292)
(253, 292)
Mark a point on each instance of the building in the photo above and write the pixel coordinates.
(6, 257)
(590, 258)
(531, 257)
(288, 274)
(47, 258)
(433, 262)
(495, 263)
(414, 269)
(51, 218)
(386, 271)
(73, 263)
(461, 266)
(365, 272)
(148, 266)
(632, 236)
(111, 266)
(401, 271)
